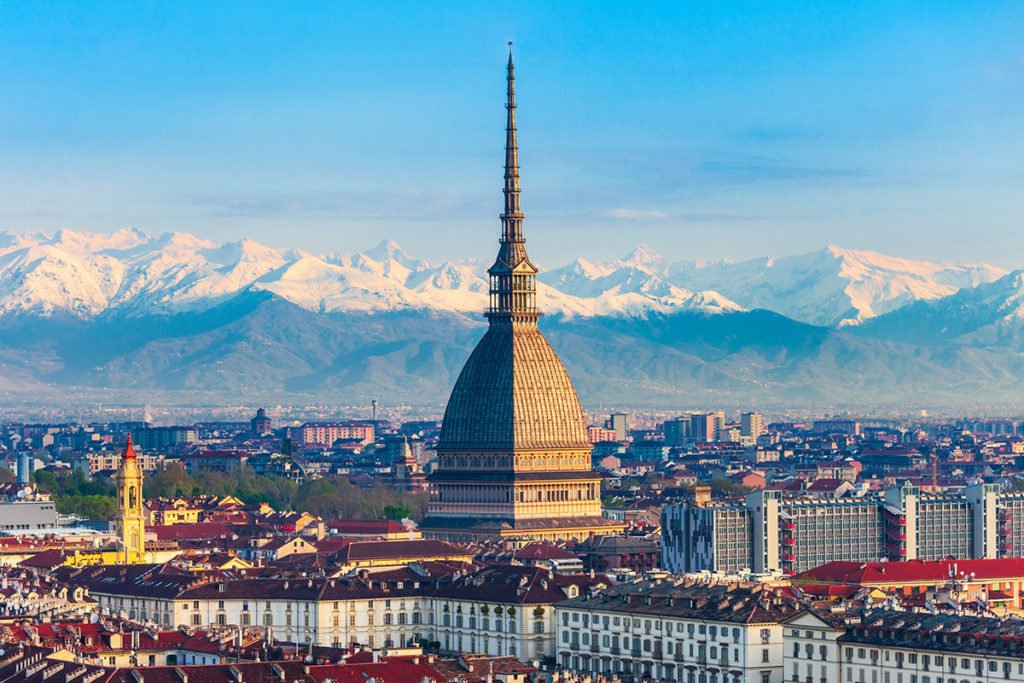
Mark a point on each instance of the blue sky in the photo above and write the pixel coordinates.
(706, 130)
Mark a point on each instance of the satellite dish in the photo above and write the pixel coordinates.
(93, 618)
(22, 493)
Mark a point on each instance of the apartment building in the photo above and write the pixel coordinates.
(108, 461)
(676, 630)
(767, 531)
(501, 610)
(887, 646)
(326, 433)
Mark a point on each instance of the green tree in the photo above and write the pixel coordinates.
(169, 482)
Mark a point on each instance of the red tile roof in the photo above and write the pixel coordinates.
(368, 527)
(388, 550)
(190, 531)
(826, 484)
(913, 571)
(544, 551)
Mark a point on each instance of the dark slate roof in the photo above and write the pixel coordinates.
(742, 604)
(937, 632)
(516, 584)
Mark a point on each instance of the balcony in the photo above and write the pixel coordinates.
(787, 526)
(788, 542)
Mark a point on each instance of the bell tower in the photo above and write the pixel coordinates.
(130, 521)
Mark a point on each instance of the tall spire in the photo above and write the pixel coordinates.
(512, 218)
(513, 277)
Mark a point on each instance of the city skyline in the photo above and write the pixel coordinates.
(237, 445)
(732, 132)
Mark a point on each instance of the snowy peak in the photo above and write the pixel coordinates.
(644, 258)
(86, 274)
(837, 286)
(632, 285)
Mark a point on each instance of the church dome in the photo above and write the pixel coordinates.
(513, 393)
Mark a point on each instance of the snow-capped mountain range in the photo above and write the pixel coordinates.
(89, 314)
(85, 274)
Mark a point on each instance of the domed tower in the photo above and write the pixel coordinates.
(514, 458)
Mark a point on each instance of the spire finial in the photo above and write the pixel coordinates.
(512, 228)
(513, 277)
(129, 450)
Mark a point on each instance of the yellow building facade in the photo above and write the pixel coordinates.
(130, 520)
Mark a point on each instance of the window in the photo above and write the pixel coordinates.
(764, 656)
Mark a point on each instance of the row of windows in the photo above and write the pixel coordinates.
(605, 621)
(926, 660)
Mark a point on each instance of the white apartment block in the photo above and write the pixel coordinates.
(688, 632)
(886, 646)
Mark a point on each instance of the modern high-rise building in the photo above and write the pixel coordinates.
(620, 423)
(768, 532)
(836, 426)
(705, 427)
(677, 431)
(513, 460)
(751, 425)
(157, 438)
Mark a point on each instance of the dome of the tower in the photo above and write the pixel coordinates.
(513, 392)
